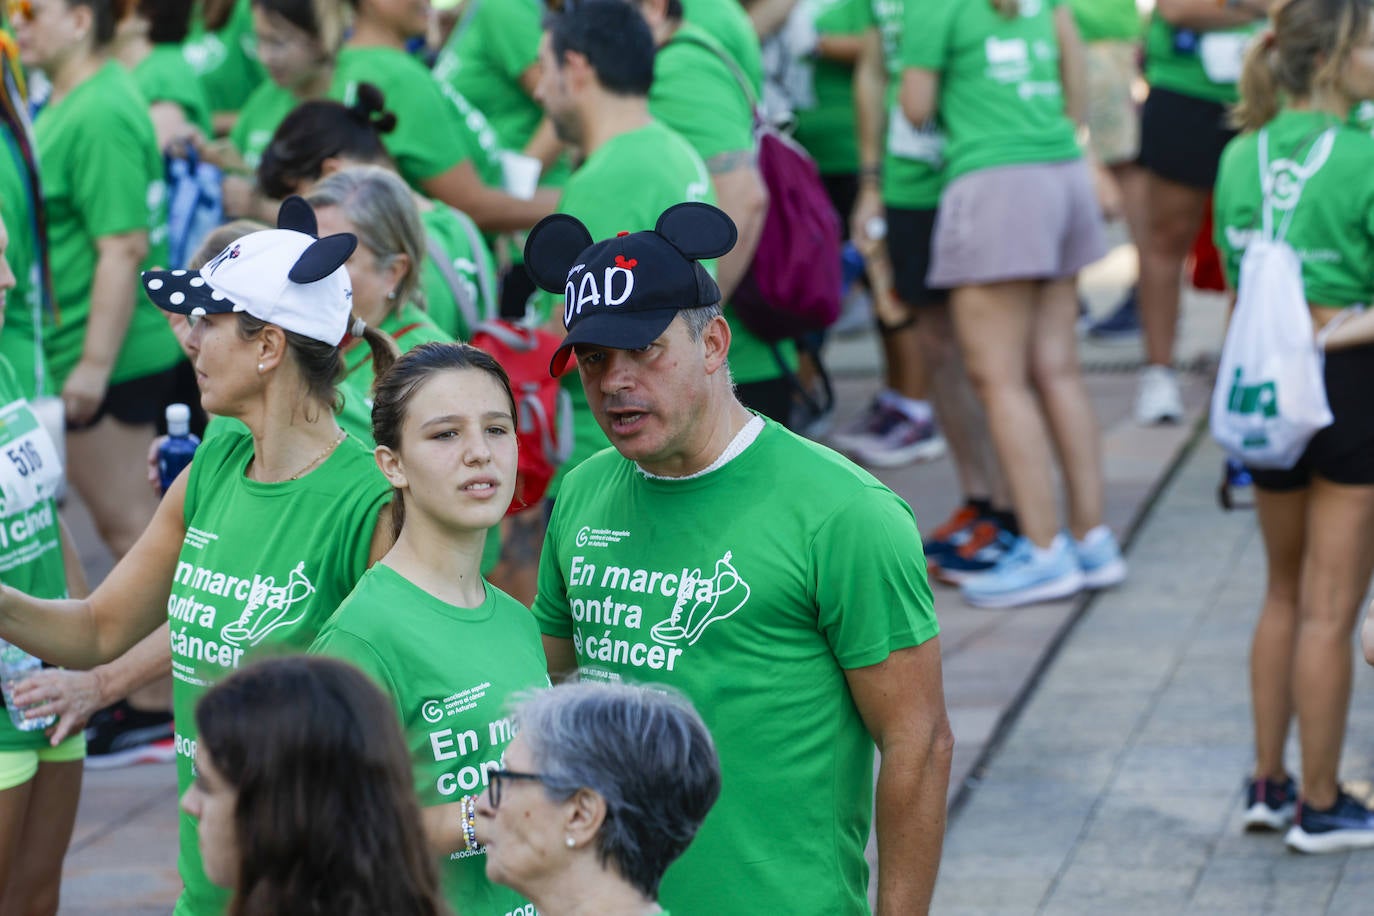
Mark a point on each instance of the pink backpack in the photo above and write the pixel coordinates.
(794, 285)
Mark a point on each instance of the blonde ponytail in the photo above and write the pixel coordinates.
(1259, 86)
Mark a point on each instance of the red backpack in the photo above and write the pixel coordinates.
(543, 422)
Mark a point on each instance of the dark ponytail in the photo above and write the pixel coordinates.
(318, 130)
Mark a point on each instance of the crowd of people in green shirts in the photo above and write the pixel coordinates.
(972, 151)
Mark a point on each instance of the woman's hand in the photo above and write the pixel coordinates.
(154, 473)
(1108, 192)
(72, 696)
(869, 214)
(84, 392)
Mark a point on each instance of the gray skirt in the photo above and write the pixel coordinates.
(1016, 222)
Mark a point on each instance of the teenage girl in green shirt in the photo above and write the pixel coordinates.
(423, 623)
(1297, 89)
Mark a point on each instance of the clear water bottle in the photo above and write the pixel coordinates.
(180, 446)
(15, 665)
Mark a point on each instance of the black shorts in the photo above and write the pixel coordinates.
(142, 401)
(771, 397)
(1344, 451)
(908, 245)
(1181, 137)
(843, 190)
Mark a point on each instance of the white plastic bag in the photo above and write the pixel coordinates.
(1270, 395)
(1270, 398)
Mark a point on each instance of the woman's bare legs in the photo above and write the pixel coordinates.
(1336, 566)
(1058, 380)
(1283, 523)
(994, 324)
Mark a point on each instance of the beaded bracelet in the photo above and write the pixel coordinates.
(469, 822)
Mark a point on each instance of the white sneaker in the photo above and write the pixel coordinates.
(1157, 399)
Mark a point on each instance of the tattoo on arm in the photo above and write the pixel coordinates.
(724, 163)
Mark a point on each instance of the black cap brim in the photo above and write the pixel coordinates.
(184, 292)
(615, 330)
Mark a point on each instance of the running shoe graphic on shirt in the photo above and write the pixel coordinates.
(269, 607)
(708, 606)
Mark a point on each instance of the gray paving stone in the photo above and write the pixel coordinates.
(1106, 889)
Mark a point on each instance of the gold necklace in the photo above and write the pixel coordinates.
(313, 461)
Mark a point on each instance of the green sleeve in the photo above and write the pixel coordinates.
(1221, 209)
(690, 79)
(110, 185)
(551, 610)
(926, 29)
(343, 645)
(863, 15)
(512, 38)
(869, 580)
(430, 136)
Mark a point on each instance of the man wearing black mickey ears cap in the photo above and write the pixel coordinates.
(774, 582)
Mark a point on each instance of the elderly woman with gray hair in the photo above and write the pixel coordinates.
(602, 788)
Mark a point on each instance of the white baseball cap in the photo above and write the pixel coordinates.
(284, 276)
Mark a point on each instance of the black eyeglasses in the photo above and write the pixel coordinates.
(494, 778)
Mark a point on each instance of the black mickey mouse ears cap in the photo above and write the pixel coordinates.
(623, 292)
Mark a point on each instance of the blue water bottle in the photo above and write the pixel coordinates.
(180, 446)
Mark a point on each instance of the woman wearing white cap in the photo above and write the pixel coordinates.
(259, 541)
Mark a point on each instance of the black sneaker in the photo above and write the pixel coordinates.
(120, 736)
(1269, 804)
(1345, 825)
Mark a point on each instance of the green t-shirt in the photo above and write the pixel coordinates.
(30, 543)
(1106, 20)
(226, 61)
(453, 233)
(436, 128)
(753, 602)
(663, 170)
(1332, 227)
(913, 157)
(827, 128)
(1001, 100)
(450, 672)
(96, 189)
(691, 77)
(1204, 65)
(730, 25)
(21, 342)
(490, 49)
(431, 135)
(265, 108)
(263, 566)
(165, 76)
